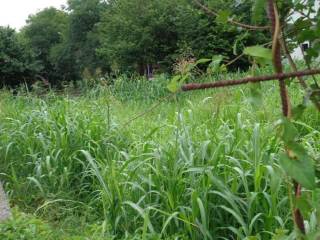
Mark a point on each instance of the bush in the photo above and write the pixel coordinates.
(24, 227)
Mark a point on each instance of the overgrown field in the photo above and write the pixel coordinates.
(200, 165)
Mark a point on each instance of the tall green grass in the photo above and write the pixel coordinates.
(202, 165)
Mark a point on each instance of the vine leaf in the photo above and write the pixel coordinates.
(304, 203)
(296, 163)
(203, 60)
(300, 169)
(174, 84)
(223, 16)
(290, 132)
(259, 52)
(215, 66)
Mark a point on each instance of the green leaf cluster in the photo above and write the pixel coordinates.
(296, 162)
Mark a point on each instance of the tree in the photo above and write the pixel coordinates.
(82, 36)
(206, 35)
(65, 40)
(44, 31)
(136, 33)
(18, 62)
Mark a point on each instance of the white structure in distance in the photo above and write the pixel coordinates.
(297, 53)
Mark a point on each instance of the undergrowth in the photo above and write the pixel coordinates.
(199, 166)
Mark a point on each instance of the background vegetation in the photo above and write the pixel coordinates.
(115, 156)
(98, 37)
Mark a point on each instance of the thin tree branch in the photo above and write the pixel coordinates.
(235, 59)
(308, 65)
(149, 110)
(286, 107)
(276, 56)
(226, 83)
(291, 61)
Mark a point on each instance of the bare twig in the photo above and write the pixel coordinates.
(149, 110)
(291, 61)
(235, 59)
(308, 65)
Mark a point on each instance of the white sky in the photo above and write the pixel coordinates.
(15, 12)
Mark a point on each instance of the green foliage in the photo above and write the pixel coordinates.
(258, 51)
(66, 42)
(215, 66)
(259, 54)
(131, 36)
(297, 163)
(223, 16)
(175, 84)
(143, 36)
(44, 31)
(18, 63)
(299, 168)
(83, 38)
(199, 167)
(208, 168)
(24, 227)
(305, 28)
(258, 11)
(184, 73)
(137, 33)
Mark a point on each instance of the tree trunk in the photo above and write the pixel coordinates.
(149, 71)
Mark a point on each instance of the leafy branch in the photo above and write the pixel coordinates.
(296, 162)
(228, 19)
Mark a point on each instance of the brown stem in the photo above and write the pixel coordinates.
(243, 25)
(286, 108)
(226, 83)
(297, 213)
(276, 50)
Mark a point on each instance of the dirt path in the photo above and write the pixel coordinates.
(4, 205)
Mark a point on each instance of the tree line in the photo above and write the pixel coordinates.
(120, 36)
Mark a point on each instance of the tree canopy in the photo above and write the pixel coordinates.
(137, 36)
(44, 31)
(18, 63)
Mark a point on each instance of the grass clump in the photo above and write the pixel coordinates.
(200, 166)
